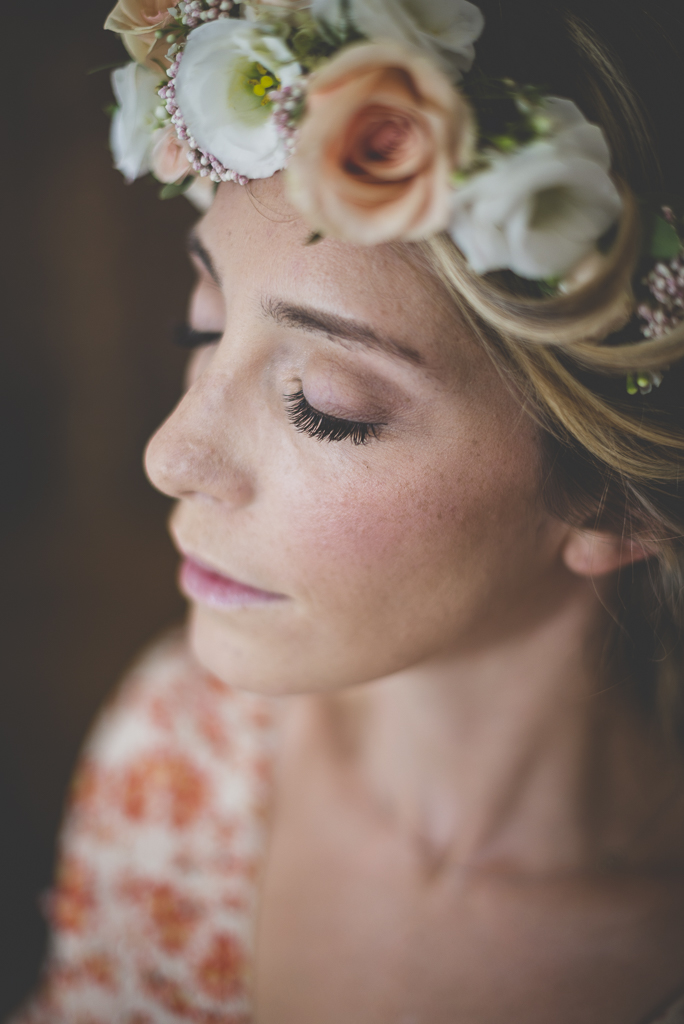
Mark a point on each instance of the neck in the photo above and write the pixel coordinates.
(526, 755)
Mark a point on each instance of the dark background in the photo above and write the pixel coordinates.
(93, 276)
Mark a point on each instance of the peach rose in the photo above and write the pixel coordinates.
(169, 159)
(137, 21)
(384, 128)
(169, 164)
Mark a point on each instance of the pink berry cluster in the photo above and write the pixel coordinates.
(201, 162)
(666, 285)
(193, 12)
(287, 105)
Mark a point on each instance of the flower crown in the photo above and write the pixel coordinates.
(366, 105)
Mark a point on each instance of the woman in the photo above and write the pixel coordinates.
(418, 755)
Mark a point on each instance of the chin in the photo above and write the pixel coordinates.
(262, 652)
(248, 659)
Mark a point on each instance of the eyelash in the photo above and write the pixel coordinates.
(187, 337)
(327, 428)
(302, 415)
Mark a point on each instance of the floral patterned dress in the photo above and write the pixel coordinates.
(155, 900)
(154, 908)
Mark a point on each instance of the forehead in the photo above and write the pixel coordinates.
(260, 249)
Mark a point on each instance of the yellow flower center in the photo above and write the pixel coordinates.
(262, 83)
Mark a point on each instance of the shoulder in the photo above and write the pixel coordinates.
(176, 760)
(155, 896)
(174, 747)
(168, 699)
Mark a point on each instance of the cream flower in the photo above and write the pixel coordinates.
(447, 29)
(384, 129)
(215, 93)
(137, 21)
(135, 120)
(540, 210)
(169, 156)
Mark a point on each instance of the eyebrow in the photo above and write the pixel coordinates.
(339, 328)
(195, 248)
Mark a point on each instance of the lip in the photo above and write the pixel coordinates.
(205, 585)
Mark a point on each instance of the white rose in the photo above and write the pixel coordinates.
(446, 28)
(218, 103)
(135, 120)
(540, 210)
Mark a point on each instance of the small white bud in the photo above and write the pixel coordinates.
(542, 124)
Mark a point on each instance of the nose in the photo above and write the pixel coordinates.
(195, 451)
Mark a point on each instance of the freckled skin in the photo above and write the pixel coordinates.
(408, 547)
(439, 836)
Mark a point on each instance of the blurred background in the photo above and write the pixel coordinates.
(93, 279)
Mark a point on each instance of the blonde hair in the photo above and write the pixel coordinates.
(614, 462)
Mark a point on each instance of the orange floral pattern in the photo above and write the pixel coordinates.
(164, 785)
(154, 903)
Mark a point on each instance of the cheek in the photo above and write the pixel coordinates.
(428, 527)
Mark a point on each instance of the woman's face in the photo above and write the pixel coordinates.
(424, 542)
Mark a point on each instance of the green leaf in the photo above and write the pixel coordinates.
(176, 188)
(303, 41)
(108, 67)
(505, 143)
(549, 286)
(665, 242)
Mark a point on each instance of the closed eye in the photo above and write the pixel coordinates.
(323, 427)
(188, 337)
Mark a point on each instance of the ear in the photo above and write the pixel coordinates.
(594, 553)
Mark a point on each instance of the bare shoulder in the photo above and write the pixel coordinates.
(174, 757)
(153, 907)
(168, 697)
